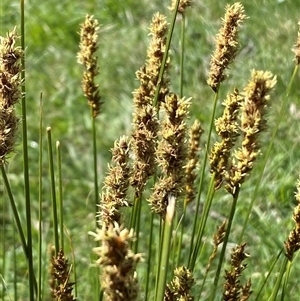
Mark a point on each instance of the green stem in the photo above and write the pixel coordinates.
(182, 38)
(25, 161)
(222, 255)
(53, 191)
(149, 261)
(202, 176)
(165, 57)
(96, 187)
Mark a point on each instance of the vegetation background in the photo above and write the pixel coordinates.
(52, 39)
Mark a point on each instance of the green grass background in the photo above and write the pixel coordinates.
(52, 40)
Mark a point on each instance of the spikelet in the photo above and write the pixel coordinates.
(256, 98)
(292, 244)
(145, 122)
(226, 44)
(233, 290)
(116, 184)
(86, 56)
(10, 94)
(182, 5)
(296, 49)
(171, 154)
(227, 128)
(118, 262)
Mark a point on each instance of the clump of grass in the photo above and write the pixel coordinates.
(154, 176)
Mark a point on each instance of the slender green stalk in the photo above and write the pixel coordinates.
(40, 236)
(25, 160)
(278, 281)
(222, 255)
(15, 264)
(286, 278)
(194, 253)
(53, 190)
(60, 195)
(258, 297)
(202, 176)
(165, 250)
(3, 246)
(163, 64)
(182, 39)
(268, 151)
(149, 259)
(95, 163)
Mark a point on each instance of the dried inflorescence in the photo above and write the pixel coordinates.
(86, 56)
(292, 244)
(256, 98)
(116, 184)
(181, 6)
(10, 93)
(61, 274)
(228, 129)
(226, 44)
(145, 122)
(192, 160)
(180, 286)
(233, 290)
(296, 50)
(118, 263)
(171, 154)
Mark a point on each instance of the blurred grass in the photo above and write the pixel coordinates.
(52, 44)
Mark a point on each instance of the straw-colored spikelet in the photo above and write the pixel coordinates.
(256, 98)
(116, 184)
(61, 273)
(118, 263)
(296, 50)
(10, 94)
(217, 240)
(145, 122)
(171, 154)
(228, 129)
(182, 5)
(86, 56)
(226, 44)
(192, 160)
(233, 290)
(292, 244)
(180, 286)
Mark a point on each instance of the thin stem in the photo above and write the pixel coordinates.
(202, 176)
(53, 191)
(222, 255)
(96, 187)
(182, 38)
(25, 160)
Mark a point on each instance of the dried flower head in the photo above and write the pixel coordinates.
(226, 44)
(232, 286)
(145, 122)
(118, 262)
(171, 153)
(61, 273)
(256, 98)
(180, 286)
(86, 56)
(296, 50)
(181, 6)
(116, 184)
(10, 93)
(292, 244)
(228, 129)
(192, 160)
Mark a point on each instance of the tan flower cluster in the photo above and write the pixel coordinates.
(10, 93)
(86, 56)
(292, 244)
(171, 154)
(233, 290)
(118, 262)
(182, 5)
(116, 184)
(145, 122)
(296, 50)
(226, 44)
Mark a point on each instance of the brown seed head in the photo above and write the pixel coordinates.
(296, 49)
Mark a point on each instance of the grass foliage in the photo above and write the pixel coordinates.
(56, 207)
